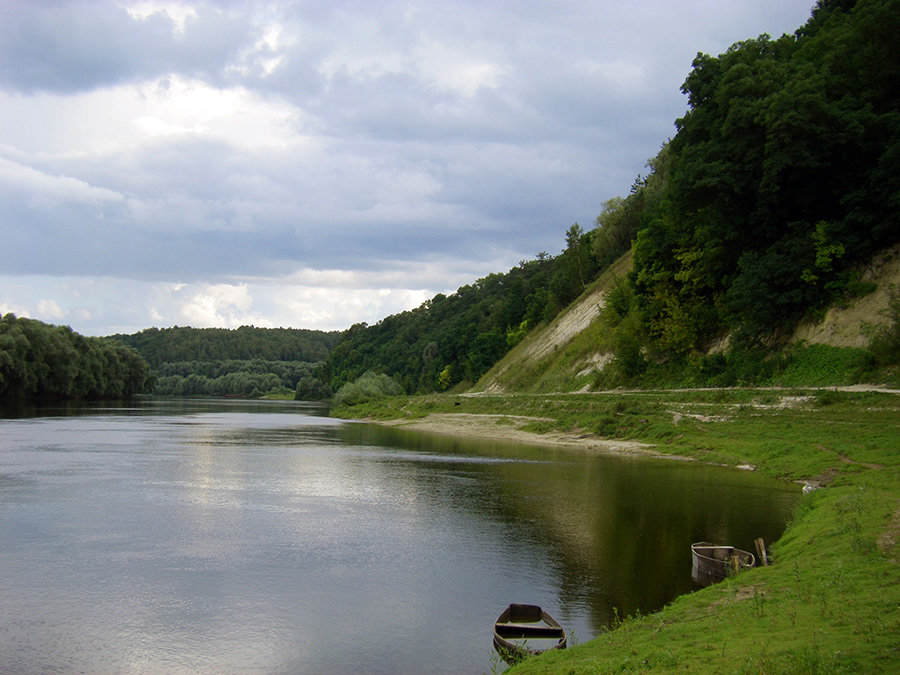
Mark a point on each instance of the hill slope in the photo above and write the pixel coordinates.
(563, 355)
(844, 325)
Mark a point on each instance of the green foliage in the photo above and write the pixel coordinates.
(456, 338)
(183, 344)
(800, 365)
(824, 365)
(515, 335)
(311, 388)
(783, 174)
(247, 361)
(618, 302)
(40, 360)
(369, 386)
(244, 378)
(885, 342)
(630, 361)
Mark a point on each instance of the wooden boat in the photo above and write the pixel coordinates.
(712, 563)
(525, 630)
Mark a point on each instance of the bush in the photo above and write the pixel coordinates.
(885, 343)
(369, 386)
(311, 388)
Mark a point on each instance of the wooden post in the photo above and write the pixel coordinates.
(761, 551)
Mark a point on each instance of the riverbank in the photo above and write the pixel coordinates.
(831, 600)
(515, 428)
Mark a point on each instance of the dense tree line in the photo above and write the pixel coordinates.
(246, 361)
(457, 337)
(41, 360)
(783, 174)
(248, 378)
(184, 344)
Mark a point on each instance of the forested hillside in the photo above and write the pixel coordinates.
(784, 172)
(38, 360)
(457, 337)
(247, 361)
(783, 177)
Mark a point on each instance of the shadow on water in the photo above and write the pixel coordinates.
(617, 529)
(155, 406)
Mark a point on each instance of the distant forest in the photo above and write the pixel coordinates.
(179, 344)
(246, 361)
(38, 360)
(784, 175)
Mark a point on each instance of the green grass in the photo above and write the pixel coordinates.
(831, 601)
(824, 365)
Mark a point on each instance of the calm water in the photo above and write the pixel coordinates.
(264, 537)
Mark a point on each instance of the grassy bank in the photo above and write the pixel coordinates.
(831, 601)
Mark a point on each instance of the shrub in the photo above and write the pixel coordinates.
(885, 342)
(369, 386)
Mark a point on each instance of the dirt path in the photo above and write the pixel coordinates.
(848, 388)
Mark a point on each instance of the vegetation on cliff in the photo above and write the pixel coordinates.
(456, 338)
(784, 174)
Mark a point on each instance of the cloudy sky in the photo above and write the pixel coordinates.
(318, 163)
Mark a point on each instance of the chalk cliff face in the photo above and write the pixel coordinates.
(845, 325)
(560, 355)
(539, 352)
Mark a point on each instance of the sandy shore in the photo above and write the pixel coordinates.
(509, 428)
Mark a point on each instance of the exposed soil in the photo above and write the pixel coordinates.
(509, 428)
(848, 326)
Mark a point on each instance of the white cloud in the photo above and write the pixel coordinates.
(218, 305)
(102, 306)
(50, 309)
(126, 118)
(177, 12)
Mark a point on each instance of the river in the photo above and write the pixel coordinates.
(265, 537)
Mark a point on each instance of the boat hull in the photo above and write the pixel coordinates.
(711, 562)
(526, 622)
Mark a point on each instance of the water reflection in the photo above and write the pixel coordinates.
(618, 530)
(209, 537)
